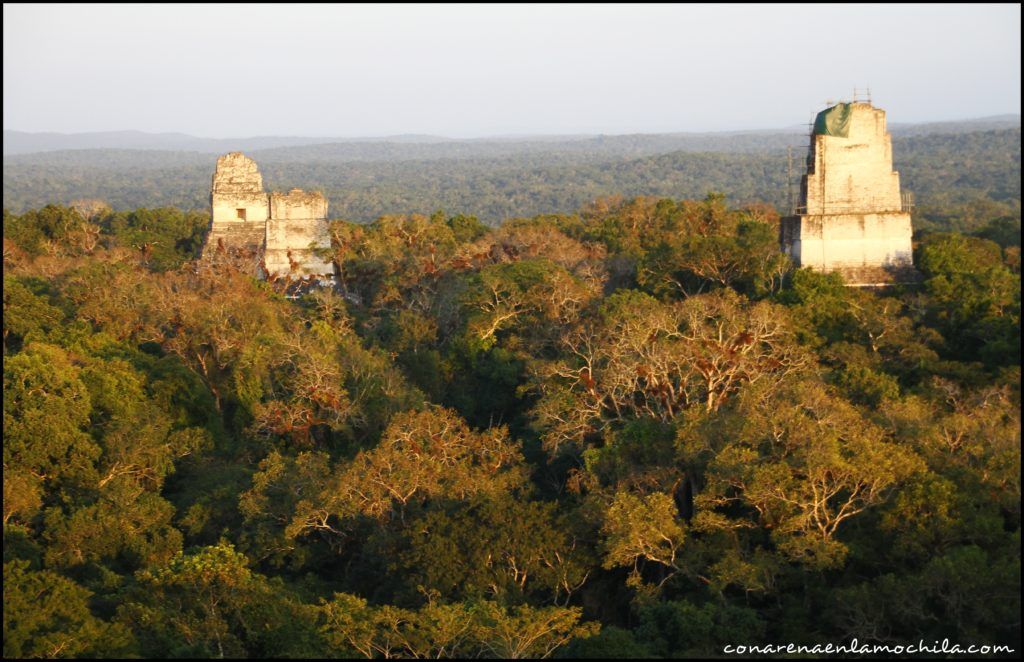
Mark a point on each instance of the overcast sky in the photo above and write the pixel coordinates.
(468, 71)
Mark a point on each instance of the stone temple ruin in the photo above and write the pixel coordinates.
(851, 217)
(279, 232)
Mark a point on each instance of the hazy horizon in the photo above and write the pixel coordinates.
(464, 72)
(521, 136)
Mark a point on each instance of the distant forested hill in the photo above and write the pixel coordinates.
(344, 151)
(502, 179)
(22, 142)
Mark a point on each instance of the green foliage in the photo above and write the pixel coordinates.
(28, 313)
(611, 643)
(502, 548)
(965, 589)
(630, 431)
(641, 529)
(467, 228)
(802, 461)
(974, 300)
(717, 248)
(867, 387)
(679, 629)
(52, 229)
(1005, 231)
(122, 531)
(210, 604)
(46, 615)
(166, 238)
(476, 629)
(46, 416)
(960, 180)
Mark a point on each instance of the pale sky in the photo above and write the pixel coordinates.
(469, 71)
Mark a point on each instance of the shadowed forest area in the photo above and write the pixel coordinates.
(631, 429)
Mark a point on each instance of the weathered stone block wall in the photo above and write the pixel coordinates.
(236, 173)
(225, 207)
(280, 230)
(298, 204)
(242, 235)
(853, 174)
(852, 220)
(237, 185)
(296, 229)
(875, 246)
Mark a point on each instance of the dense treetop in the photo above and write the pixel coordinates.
(633, 430)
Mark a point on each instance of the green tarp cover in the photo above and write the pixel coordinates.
(834, 121)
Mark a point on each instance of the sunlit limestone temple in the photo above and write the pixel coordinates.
(851, 217)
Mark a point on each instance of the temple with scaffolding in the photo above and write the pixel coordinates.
(851, 217)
